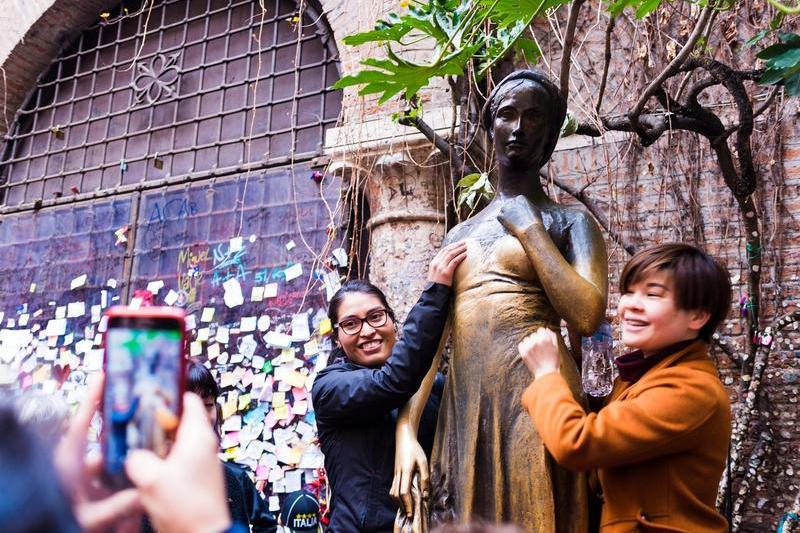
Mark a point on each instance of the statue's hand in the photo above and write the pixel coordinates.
(409, 460)
(417, 523)
(518, 214)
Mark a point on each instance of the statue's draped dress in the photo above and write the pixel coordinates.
(488, 460)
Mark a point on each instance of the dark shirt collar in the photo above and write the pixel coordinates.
(632, 366)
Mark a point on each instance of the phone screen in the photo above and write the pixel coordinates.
(141, 401)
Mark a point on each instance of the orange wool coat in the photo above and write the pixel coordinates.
(659, 445)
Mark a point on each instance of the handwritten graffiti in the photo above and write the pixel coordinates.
(228, 264)
(171, 210)
(190, 272)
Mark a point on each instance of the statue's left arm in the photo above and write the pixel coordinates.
(576, 284)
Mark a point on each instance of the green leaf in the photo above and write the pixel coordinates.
(468, 180)
(757, 37)
(790, 38)
(646, 7)
(792, 85)
(527, 49)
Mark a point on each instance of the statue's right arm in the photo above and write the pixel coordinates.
(410, 459)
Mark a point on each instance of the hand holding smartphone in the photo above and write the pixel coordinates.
(144, 382)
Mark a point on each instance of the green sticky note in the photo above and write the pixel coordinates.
(267, 368)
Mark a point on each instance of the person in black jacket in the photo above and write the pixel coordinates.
(356, 397)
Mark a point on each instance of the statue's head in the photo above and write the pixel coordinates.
(523, 117)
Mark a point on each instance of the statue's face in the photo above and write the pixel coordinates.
(521, 126)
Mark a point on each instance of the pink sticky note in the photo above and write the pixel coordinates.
(262, 472)
(299, 394)
(270, 420)
(247, 379)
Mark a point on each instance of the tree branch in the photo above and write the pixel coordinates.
(672, 68)
(569, 39)
(606, 62)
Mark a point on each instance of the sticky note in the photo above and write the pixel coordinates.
(56, 327)
(247, 346)
(270, 290)
(248, 323)
(155, 286)
(191, 322)
(228, 408)
(171, 297)
(236, 244)
(263, 323)
(281, 340)
(203, 334)
(340, 256)
(293, 272)
(61, 311)
(257, 294)
(287, 355)
(290, 245)
(233, 293)
(311, 348)
(195, 348)
(300, 408)
(78, 282)
(207, 315)
(111, 283)
(244, 401)
(300, 331)
(281, 412)
(325, 326)
(76, 309)
(213, 351)
(223, 335)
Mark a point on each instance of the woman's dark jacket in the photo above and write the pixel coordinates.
(356, 409)
(247, 506)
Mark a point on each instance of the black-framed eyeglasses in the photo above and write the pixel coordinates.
(352, 325)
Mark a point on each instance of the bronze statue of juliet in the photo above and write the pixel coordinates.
(530, 263)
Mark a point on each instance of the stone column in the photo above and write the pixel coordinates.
(405, 181)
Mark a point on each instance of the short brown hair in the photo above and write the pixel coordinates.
(701, 283)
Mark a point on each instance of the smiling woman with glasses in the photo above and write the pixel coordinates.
(372, 374)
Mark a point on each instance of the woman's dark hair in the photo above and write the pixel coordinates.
(558, 109)
(701, 283)
(33, 500)
(200, 381)
(354, 286)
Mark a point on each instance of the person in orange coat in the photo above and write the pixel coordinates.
(661, 441)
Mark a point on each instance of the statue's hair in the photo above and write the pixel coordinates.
(558, 109)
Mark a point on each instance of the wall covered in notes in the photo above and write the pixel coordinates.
(181, 161)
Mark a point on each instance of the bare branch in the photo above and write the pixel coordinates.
(606, 62)
(673, 66)
(438, 141)
(569, 39)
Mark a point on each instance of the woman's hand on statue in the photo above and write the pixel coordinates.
(518, 214)
(539, 352)
(444, 264)
(409, 460)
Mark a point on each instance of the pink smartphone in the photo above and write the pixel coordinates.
(144, 382)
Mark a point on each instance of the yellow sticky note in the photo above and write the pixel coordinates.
(287, 354)
(227, 379)
(278, 398)
(325, 326)
(228, 408)
(311, 348)
(244, 401)
(295, 379)
(195, 348)
(281, 412)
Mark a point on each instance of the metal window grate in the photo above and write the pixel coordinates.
(208, 74)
